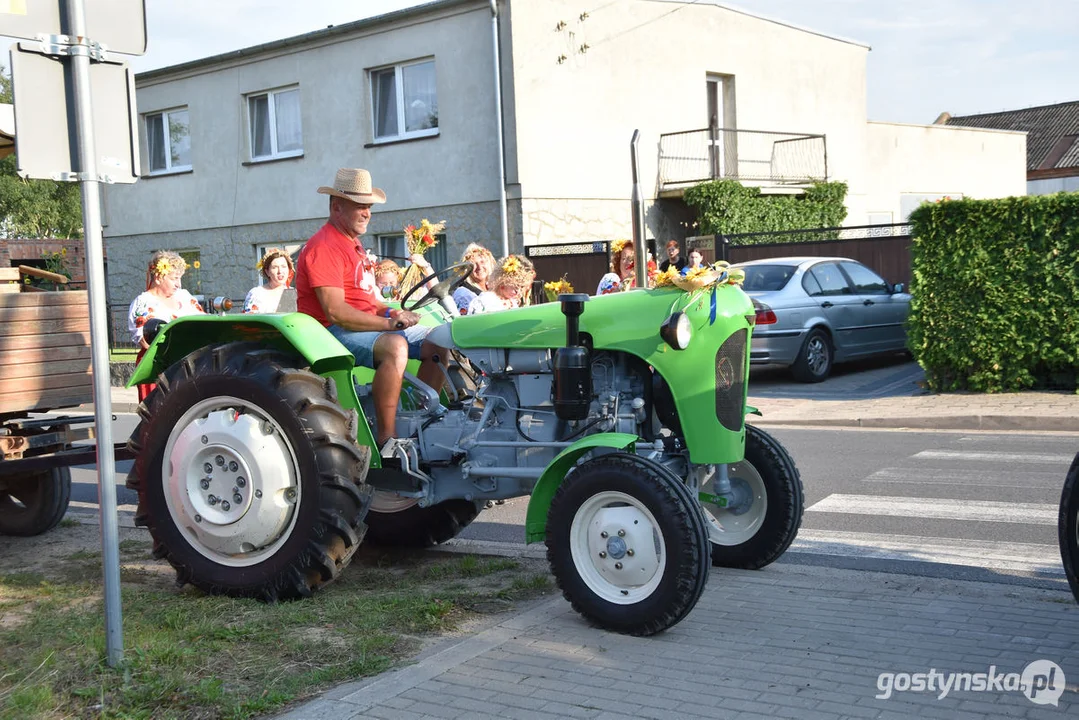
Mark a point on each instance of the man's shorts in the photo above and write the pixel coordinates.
(362, 343)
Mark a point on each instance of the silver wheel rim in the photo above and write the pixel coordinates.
(617, 548)
(727, 528)
(817, 355)
(231, 481)
(384, 501)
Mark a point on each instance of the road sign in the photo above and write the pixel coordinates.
(118, 25)
(45, 139)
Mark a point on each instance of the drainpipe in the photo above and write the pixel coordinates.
(498, 134)
(637, 209)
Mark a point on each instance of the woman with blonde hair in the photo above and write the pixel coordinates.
(164, 299)
(510, 286)
(483, 262)
(278, 271)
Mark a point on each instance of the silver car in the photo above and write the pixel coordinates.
(813, 312)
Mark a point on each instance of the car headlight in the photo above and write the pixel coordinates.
(676, 331)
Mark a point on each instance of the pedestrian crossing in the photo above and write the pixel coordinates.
(833, 525)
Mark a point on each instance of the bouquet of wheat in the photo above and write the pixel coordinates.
(419, 239)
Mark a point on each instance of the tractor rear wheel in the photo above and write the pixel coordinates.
(34, 502)
(400, 522)
(761, 526)
(249, 475)
(627, 544)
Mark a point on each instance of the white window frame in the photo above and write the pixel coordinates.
(399, 86)
(292, 248)
(272, 130)
(169, 167)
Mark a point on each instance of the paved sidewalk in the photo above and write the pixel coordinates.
(787, 641)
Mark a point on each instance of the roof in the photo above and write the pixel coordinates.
(311, 37)
(766, 18)
(1052, 132)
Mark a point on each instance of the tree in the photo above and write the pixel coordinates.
(35, 208)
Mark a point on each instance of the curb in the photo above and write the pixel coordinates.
(945, 422)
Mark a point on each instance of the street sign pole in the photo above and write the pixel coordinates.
(79, 51)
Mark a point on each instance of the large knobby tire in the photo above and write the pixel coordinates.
(249, 476)
(814, 361)
(1068, 526)
(627, 544)
(760, 529)
(400, 522)
(33, 503)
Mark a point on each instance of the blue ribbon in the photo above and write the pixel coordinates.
(712, 309)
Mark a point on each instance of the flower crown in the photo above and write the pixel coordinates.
(617, 246)
(271, 255)
(511, 265)
(164, 266)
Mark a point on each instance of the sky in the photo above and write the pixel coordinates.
(928, 56)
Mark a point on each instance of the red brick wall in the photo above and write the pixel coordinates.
(22, 249)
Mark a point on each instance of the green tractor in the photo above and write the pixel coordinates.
(622, 416)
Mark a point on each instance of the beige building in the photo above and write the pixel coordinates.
(233, 146)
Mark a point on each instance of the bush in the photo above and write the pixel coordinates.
(995, 290)
(725, 207)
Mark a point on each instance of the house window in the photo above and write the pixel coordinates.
(192, 281)
(293, 249)
(274, 124)
(168, 141)
(404, 101)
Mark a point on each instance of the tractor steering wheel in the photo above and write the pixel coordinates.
(455, 276)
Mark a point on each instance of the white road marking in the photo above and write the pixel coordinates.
(1000, 457)
(941, 509)
(1029, 557)
(924, 476)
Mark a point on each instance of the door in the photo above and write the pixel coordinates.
(881, 315)
(722, 138)
(829, 288)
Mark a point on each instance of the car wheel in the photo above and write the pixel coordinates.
(814, 362)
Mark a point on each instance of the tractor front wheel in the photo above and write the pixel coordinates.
(767, 511)
(249, 475)
(627, 544)
(1068, 526)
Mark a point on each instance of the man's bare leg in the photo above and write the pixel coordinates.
(391, 354)
(430, 373)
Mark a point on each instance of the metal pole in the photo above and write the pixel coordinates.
(640, 267)
(498, 120)
(95, 282)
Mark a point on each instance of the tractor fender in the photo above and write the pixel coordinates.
(552, 477)
(294, 332)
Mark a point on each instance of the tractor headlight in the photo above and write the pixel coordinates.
(676, 331)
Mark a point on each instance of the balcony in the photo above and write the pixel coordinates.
(752, 157)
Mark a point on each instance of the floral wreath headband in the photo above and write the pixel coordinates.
(166, 265)
(514, 272)
(271, 255)
(617, 246)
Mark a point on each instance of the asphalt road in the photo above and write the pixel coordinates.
(953, 504)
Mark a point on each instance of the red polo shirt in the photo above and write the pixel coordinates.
(332, 259)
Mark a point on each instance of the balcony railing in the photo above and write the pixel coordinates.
(758, 156)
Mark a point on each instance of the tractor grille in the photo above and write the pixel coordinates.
(731, 380)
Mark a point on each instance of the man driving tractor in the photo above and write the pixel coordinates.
(335, 284)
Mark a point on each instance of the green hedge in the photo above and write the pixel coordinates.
(726, 206)
(996, 293)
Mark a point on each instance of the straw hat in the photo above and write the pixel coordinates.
(354, 184)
